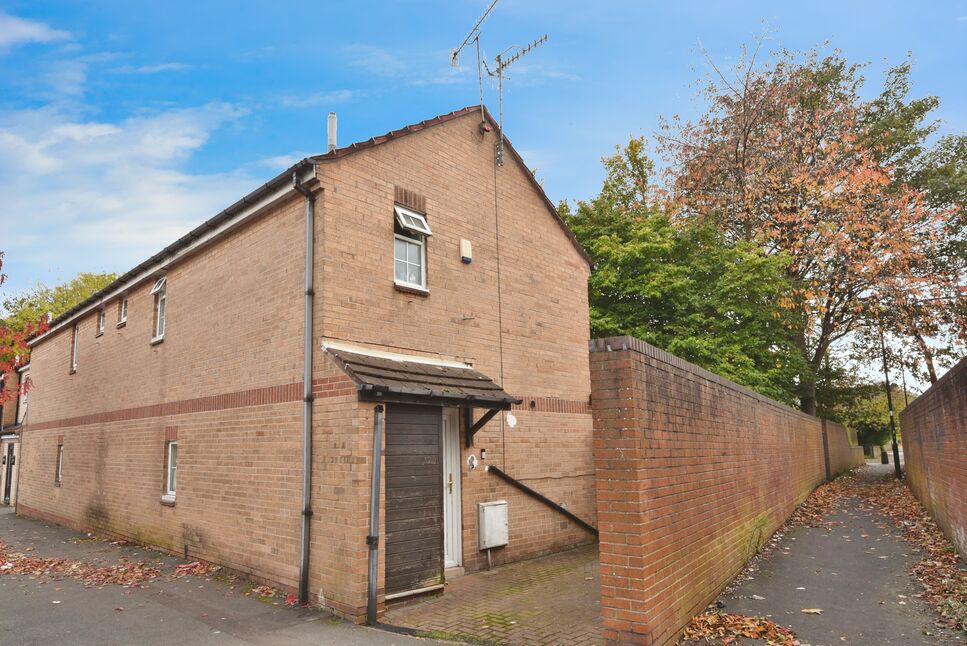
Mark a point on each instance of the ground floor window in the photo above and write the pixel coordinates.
(171, 472)
(59, 473)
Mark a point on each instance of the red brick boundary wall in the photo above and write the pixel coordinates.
(934, 429)
(843, 456)
(693, 473)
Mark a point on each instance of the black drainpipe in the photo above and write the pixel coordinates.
(374, 497)
(306, 391)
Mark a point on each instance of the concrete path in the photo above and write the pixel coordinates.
(166, 610)
(856, 574)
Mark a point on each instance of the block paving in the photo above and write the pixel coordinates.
(547, 601)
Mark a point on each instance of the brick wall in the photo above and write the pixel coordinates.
(841, 449)
(934, 445)
(518, 313)
(693, 472)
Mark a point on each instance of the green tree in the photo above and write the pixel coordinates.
(35, 304)
(682, 287)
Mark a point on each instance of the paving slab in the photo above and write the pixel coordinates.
(856, 574)
(164, 611)
(549, 601)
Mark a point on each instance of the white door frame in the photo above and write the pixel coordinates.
(452, 507)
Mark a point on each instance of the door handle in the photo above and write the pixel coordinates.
(450, 483)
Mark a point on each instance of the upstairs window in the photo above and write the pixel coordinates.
(160, 297)
(409, 254)
(74, 337)
(22, 401)
(101, 318)
(123, 311)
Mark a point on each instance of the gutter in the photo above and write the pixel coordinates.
(252, 205)
(306, 389)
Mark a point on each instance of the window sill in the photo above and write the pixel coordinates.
(168, 500)
(157, 340)
(56, 483)
(72, 371)
(121, 324)
(99, 334)
(410, 289)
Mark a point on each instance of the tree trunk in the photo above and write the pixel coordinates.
(807, 397)
(927, 357)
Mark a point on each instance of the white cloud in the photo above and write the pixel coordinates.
(278, 163)
(317, 99)
(375, 60)
(18, 31)
(79, 194)
(67, 77)
(153, 69)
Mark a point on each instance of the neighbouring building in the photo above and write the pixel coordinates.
(445, 302)
(12, 415)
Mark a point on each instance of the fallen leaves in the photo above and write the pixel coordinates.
(729, 628)
(124, 573)
(196, 568)
(812, 611)
(940, 571)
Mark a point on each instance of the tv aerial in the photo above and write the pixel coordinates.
(502, 61)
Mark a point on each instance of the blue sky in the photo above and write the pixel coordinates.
(124, 124)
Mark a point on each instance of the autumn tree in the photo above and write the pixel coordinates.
(787, 159)
(682, 286)
(24, 309)
(13, 347)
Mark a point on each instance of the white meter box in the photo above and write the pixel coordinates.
(492, 524)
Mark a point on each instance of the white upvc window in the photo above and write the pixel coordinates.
(172, 471)
(160, 297)
(101, 318)
(74, 340)
(409, 259)
(59, 474)
(409, 250)
(412, 221)
(22, 404)
(123, 310)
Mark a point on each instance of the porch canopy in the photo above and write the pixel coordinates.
(391, 377)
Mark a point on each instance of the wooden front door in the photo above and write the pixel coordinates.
(414, 497)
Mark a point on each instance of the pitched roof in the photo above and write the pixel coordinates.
(286, 177)
(444, 118)
(415, 379)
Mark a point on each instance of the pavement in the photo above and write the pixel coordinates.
(549, 601)
(167, 610)
(856, 574)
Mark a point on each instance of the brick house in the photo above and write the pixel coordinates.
(12, 415)
(444, 307)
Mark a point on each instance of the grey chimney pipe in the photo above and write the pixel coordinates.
(332, 132)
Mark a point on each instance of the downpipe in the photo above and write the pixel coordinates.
(306, 391)
(372, 540)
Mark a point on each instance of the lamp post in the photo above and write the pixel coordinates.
(889, 403)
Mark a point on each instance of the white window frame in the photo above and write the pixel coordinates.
(159, 291)
(22, 404)
(101, 321)
(74, 341)
(412, 221)
(123, 312)
(59, 475)
(422, 244)
(171, 469)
